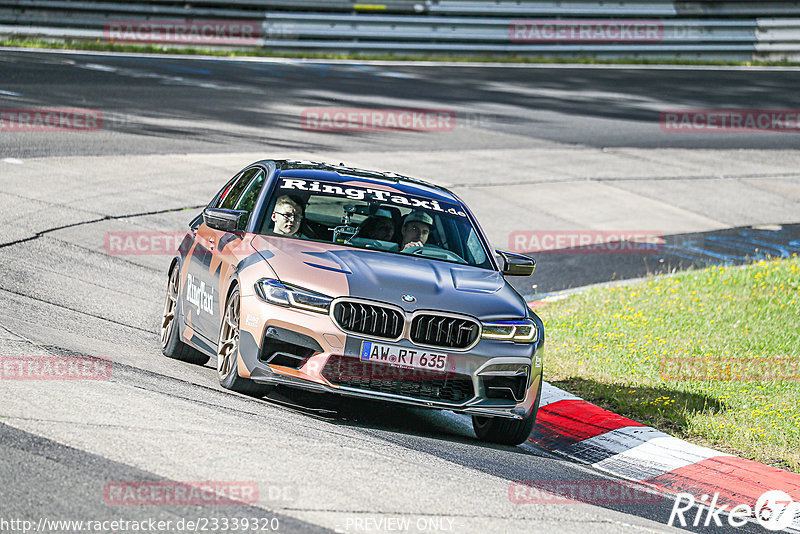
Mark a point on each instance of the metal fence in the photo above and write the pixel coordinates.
(566, 28)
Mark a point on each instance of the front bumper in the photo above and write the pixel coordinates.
(330, 341)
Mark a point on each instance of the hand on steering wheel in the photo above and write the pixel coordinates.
(432, 251)
(413, 247)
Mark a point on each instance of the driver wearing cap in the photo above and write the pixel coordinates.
(416, 229)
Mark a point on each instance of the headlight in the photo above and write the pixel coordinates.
(276, 292)
(523, 331)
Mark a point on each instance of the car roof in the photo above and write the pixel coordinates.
(341, 173)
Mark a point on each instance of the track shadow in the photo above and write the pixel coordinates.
(249, 100)
(534, 476)
(661, 407)
(580, 266)
(383, 416)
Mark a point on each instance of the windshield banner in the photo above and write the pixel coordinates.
(367, 194)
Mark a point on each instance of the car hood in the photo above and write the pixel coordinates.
(435, 285)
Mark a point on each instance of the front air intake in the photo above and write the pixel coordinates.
(420, 384)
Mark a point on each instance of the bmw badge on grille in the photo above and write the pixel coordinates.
(409, 298)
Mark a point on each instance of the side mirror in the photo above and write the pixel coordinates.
(224, 220)
(516, 264)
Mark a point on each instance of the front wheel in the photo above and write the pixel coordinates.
(228, 352)
(506, 431)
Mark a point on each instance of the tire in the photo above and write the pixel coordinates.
(171, 344)
(228, 353)
(506, 431)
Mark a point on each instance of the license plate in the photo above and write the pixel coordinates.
(402, 357)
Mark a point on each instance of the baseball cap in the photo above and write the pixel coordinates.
(418, 216)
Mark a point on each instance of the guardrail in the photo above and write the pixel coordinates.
(483, 8)
(636, 28)
(629, 8)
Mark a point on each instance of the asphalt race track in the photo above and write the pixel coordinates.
(536, 148)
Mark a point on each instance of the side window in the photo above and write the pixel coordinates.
(223, 193)
(229, 198)
(248, 199)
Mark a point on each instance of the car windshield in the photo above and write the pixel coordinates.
(376, 217)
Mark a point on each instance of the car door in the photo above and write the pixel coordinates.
(203, 304)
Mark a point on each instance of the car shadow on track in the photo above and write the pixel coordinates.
(384, 417)
(536, 479)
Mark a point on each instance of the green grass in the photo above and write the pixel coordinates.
(729, 327)
(99, 45)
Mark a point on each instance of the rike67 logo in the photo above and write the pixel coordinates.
(775, 510)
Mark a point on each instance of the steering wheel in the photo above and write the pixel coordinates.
(434, 252)
(308, 231)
